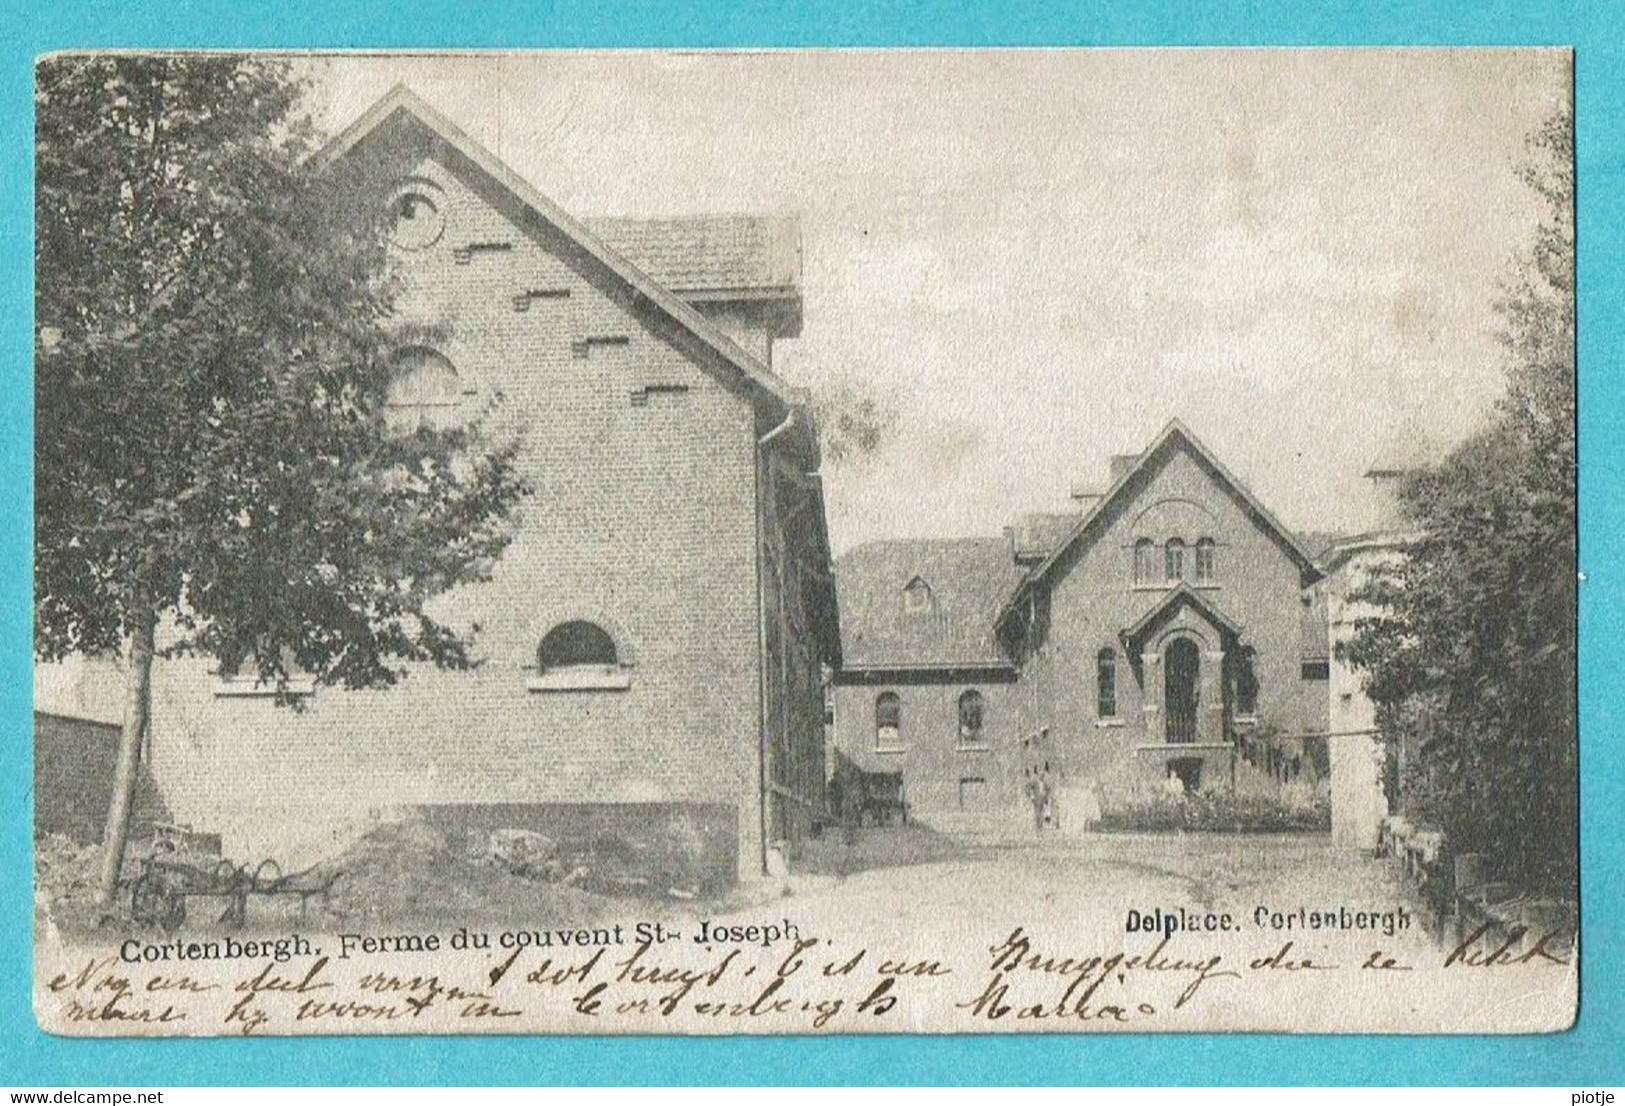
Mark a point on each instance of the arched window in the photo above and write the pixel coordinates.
(424, 378)
(1246, 682)
(1174, 560)
(1106, 684)
(576, 645)
(1145, 561)
(970, 718)
(888, 720)
(1205, 568)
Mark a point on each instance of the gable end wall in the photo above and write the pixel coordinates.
(642, 519)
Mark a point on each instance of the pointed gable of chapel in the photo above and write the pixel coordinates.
(402, 117)
(1130, 477)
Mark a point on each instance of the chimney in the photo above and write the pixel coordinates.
(1121, 463)
(1405, 450)
(1084, 498)
(1026, 543)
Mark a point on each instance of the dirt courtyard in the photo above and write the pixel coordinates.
(891, 880)
(1091, 882)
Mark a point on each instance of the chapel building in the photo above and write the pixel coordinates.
(1164, 635)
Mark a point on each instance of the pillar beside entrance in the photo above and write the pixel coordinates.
(1151, 665)
(1210, 685)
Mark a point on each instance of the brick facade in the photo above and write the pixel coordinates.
(942, 770)
(1070, 594)
(1257, 588)
(646, 518)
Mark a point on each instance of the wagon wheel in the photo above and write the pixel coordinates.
(146, 898)
(266, 876)
(174, 912)
(225, 878)
(152, 900)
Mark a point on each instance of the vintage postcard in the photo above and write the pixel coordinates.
(805, 542)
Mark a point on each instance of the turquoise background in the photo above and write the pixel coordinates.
(1591, 1054)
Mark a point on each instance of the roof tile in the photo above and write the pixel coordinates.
(967, 576)
(709, 253)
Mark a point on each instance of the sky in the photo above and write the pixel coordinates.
(1041, 256)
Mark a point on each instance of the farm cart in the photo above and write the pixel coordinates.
(178, 869)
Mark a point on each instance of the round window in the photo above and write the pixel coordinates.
(415, 219)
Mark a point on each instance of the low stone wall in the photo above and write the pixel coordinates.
(1466, 902)
(74, 760)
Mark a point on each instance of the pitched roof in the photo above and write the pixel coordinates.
(1039, 533)
(402, 100)
(967, 578)
(713, 255)
(1093, 521)
(1340, 552)
(1318, 543)
(1181, 596)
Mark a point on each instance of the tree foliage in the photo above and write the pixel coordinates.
(216, 471)
(213, 355)
(1471, 660)
(854, 418)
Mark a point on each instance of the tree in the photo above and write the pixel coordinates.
(1473, 653)
(215, 470)
(854, 419)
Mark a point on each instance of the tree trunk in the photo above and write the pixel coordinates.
(137, 707)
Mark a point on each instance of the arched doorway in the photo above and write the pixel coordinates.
(1182, 666)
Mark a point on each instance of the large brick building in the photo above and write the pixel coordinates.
(1166, 629)
(653, 639)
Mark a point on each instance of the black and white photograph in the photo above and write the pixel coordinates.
(805, 541)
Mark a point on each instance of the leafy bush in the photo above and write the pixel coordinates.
(1217, 812)
(1471, 656)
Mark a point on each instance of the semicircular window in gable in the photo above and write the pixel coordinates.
(425, 377)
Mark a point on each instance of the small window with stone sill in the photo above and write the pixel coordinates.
(1174, 560)
(1145, 562)
(970, 720)
(1206, 561)
(1106, 687)
(888, 722)
(1246, 684)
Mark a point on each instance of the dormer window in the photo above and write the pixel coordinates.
(917, 598)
